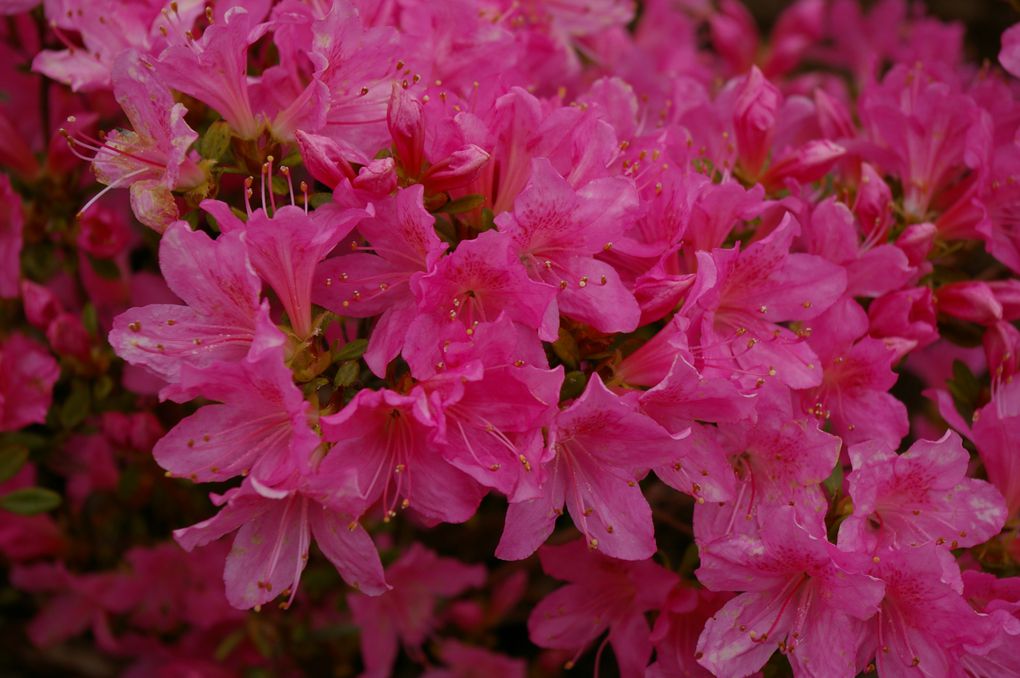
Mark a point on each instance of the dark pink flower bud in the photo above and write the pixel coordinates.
(754, 120)
(457, 169)
(68, 337)
(377, 177)
(906, 315)
(833, 116)
(324, 159)
(734, 35)
(969, 300)
(102, 233)
(873, 206)
(407, 127)
(40, 304)
(808, 163)
(916, 241)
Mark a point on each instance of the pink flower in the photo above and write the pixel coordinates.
(923, 624)
(153, 158)
(465, 661)
(261, 425)
(918, 497)
(489, 407)
(382, 439)
(480, 280)
(600, 447)
(27, 376)
(77, 603)
(558, 231)
(213, 69)
(1009, 55)
(403, 246)
(803, 596)
(780, 460)
(406, 613)
(745, 294)
(602, 593)
(286, 247)
(221, 293)
(675, 636)
(274, 531)
(857, 374)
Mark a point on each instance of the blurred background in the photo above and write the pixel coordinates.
(985, 19)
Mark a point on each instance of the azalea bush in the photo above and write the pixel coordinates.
(502, 338)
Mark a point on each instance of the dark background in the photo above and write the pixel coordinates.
(985, 19)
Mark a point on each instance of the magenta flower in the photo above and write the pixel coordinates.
(490, 405)
(558, 231)
(923, 626)
(275, 529)
(403, 246)
(602, 593)
(756, 289)
(213, 69)
(382, 441)
(803, 597)
(406, 614)
(857, 374)
(217, 324)
(919, 497)
(260, 426)
(27, 376)
(780, 460)
(474, 285)
(154, 157)
(600, 446)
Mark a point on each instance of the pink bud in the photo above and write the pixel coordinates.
(808, 163)
(971, 300)
(102, 233)
(833, 116)
(324, 159)
(68, 337)
(916, 242)
(907, 314)
(872, 206)
(41, 305)
(734, 35)
(407, 127)
(377, 177)
(457, 169)
(754, 119)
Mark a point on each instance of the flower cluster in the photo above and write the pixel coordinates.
(381, 267)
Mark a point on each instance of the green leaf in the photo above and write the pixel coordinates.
(347, 374)
(352, 350)
(834, 483)
(463, 204)
(76, 408)
(102, 387)
(30, 501)
(90, 319)
(12, 458)
(965, 389)
(215, 142)
(573, 385)
(320, 199)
